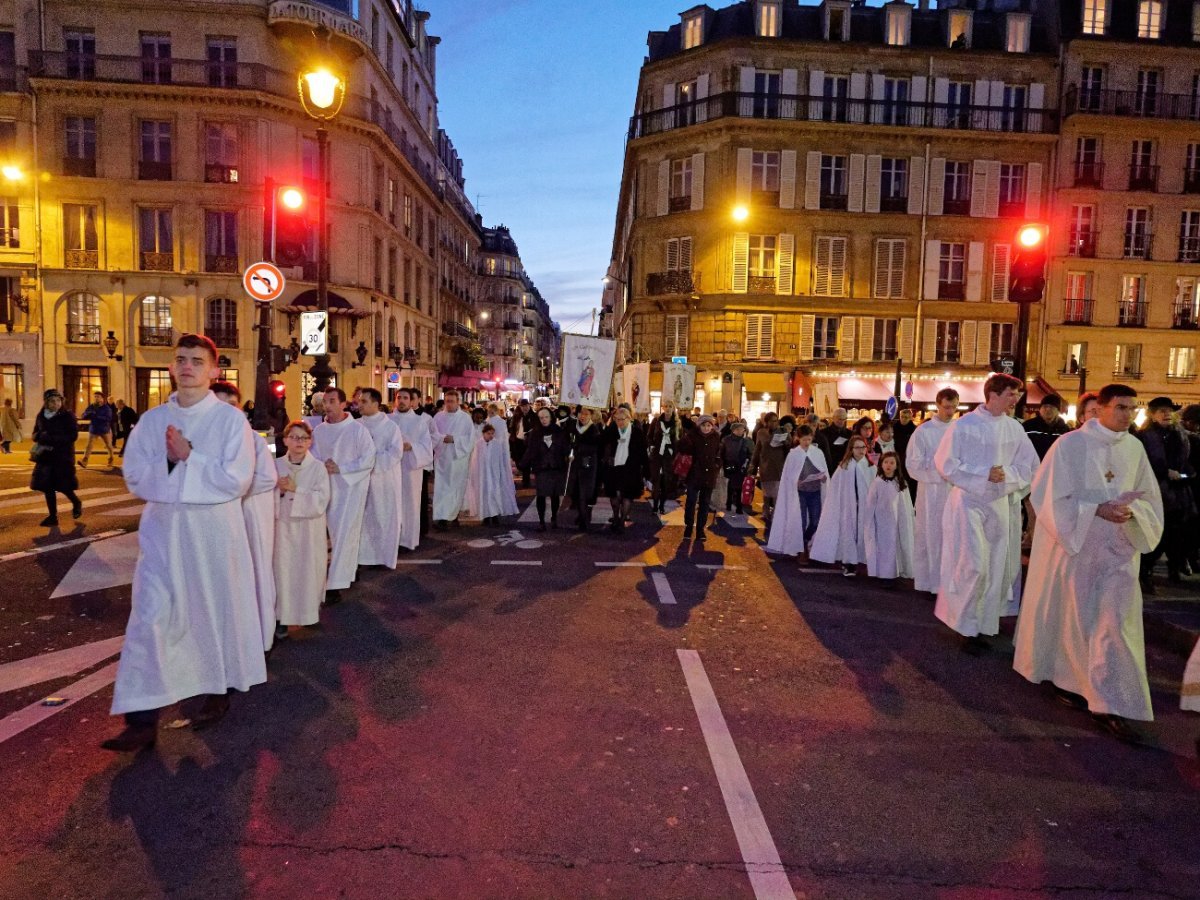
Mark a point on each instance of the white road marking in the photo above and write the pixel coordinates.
(12, 725)
(34, 497)
(58, 664)
(663, 588)
(767, 876)
(529, 515)
(103, 564)
(419, 562)
(90, 505)
(8, 492)
(710, 567)
(835, 570)
(516, 562)
(621, 565)
(135, 510)
(46, 548)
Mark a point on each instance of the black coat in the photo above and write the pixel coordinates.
(828, 439)
(1043, 436)
(583, 473)
(706, 458)
(627, 479)
(55, 468)
(547, 461)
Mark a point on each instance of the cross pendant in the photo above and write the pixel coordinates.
(1109, 475)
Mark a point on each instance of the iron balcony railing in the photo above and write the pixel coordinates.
(802, 107)
(1089, 173)
(1132, 313)
(1189, 248)
(1137, 244)
(223, 337)
(1077, 311)
(1186, 316)
(458, 329)
(156, 336)
(1082, 243)
(676, 282)
(1143, 177)
(83, 334)
(1144, 103)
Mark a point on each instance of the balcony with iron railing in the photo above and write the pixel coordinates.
(956, 206)
(834, 201)
(1089, 173)
(219, 174)
(894, 203)
(1189, 248)
(680, 281)
(1143, 177)
(1136, 103)
(681, 203)
(951, 290)
(802, 107)
(1185, 315)
(458, 329)
(1137, 244)
(225, 265)
(1077, 311)
(79, 167)
(152, 170)
(1132, 313)
(761, 284)
(81, 259)
(1128, 373)
(223, 336)
(157, 262)
(156, 335)
(1082, 243)
(83, 334)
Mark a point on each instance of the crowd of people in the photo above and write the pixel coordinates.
(357, 483)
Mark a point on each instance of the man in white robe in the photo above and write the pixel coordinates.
(383, 517)
(932, 492)
(344, 445)
(258, 508)
(418, 453)
(1098, 508)
(454, 439)
(988, 459)
(194, 627)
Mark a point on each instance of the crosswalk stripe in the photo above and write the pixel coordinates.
(35, 497)
(92, 504)
(58, 664)
(34, 713)
(46, 548)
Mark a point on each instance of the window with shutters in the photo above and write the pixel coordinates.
(676, 338)
(825, 337)
(679, 254)
(957, 188)
(893, 184)
(834, 188)
(677, 276)
(693, 31)
(1181, 363)
(686, 93)
(1074, 356)
(764, 175)
(893, 105)
(1094, 16)
(835, 98)
(886, 332)
(760, 336)
(946, 349)
(952, 271)
(1128, 363)
(1137, 232)
(681, 184)
(1012, 189)
(762, 263)
(767, 21)
(890, 256)
(1150, 19)
(1003, 339)
(767, 88)
(958, 104)
(829, 267)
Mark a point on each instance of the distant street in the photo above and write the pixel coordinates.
(518, 714)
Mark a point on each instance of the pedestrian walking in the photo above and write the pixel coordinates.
(583, 473)
(301, 503)
(888, 528)
(546, 452)
(100, 425)
(932, 492)
(127, 417)
(736, 452)
(801, 495)
(1168, 449)
(625, 465)
(54, 434)
(770, 453)
(453, 440)
(1047, 426)
(839, 537)
(662, 439)
(703, 445)
(10, 426)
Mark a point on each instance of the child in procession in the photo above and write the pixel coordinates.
(839, 536)
(301, 501)
(888, 526)
(801, 492)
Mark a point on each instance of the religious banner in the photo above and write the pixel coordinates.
(825, 399)
(618, 386)
(679, 385)
(587, 369)
(637, 386)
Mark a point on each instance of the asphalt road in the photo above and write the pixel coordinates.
(509, 714)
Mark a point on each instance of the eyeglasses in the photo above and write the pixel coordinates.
(298, 437)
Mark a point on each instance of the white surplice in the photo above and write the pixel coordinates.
(888, 530)
(451, 463)
(384, 512)
(1081, 617)
(300, 544)
(1189, 694)
(490, 486)
(349, 444)
(840, 533)
(787, 524)
(414, 430)
(258, 508)
(932, 493)
(194, 627)
(981, 524)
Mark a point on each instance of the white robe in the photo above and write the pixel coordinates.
(258, 508)
(1189, 694)
(982, 521)
(839, 536)
(300, 546)
(490, 487)
(1081, 619)
(451, 463)
(932, 493)
(787, 523)
(414, 431)
(194, 626)
(314, 421)
(888, 530)
(349, 444)
(384, 513)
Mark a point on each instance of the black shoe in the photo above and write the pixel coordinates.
(77, 509)
(281, 632)
(439, 525)
(333, 598)
(1118, 727)
(1069, 698)
(49, 522)
(687, 532)
(1148, 587)
(213, 711)
(133, 739)
(541, 526)
(700, 536)
(975, 645)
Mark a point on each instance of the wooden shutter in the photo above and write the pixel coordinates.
(766, 336)
(685, 254)
(672, 254)
(916, 185)
(979, 187)
(1033, 190)
(807, 324)
(918, 87)
(753, 348)
(846, 338)
(820, 286)
(854, 200)
(937, 185)
(929, 341)
(992, 209)
(745, 162)
(816, 89)
(1037, 100)
(812, 180)
(889, 268)
(980, 99)
(966, 342)
(899, 263)
(669, 95)
(664, 187)
(873, 179)
(741, 262)
(677, 336)
(858, 94)
(787, 179)
(983, 344)
(702, 94)
(747, 80)
(933, 254)
(789, 82)
(784, 264)
(941, 90)
(837, 267)
(697, 181)
(905, 338)
(866, 337)
(1001, 260)
(877, 99)
(975, 270)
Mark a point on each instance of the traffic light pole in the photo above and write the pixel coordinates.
(1022, 352)
(321, 371)
(262, 372)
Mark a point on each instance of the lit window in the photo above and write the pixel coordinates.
(1017, 36)
(958, 29)
(899, 25)
(767, 20)
(1094, 15)
(1150, 19)
(1182, 363)
(1196, 21)
(693, 32)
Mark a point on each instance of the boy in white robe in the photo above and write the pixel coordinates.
(418, 453)
(194, 627)
(454, 439)
(839, 536)
(344, 445)
(801, 496)
(383, 515)
(988, 459)
(496, 420)
(932, 492)
(888, 531)
(301, 501)
(1098, 508)
(491, 480)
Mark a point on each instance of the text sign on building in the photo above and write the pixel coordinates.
(314, 329)
(263, 281)
(1004, 365)
(314, 15)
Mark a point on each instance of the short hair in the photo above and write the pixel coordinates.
(413, 394)
(197, 342)
(886, 423)
(1053, 400)
(946, 394)
(372, 393)
(226, 387)
(1110, 392)
(451, 392)
(341, 395)
(998, 383)
(804, 431)
(494, 408)
(297, 423)
(487, 428)
(524, 401)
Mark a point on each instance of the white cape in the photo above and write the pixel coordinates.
(888, 530)
(490, 487)
(1081, 618)
(349, 444)
(451, 463)
(414, 430)
(787, 523)
(840, 536)
(301, 550)
(932, 493)
(258, 508)
(382, 518)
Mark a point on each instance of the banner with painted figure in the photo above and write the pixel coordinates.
(618, 386)
(679, 385)
(825, 399)
(587, 369)
(637, 386)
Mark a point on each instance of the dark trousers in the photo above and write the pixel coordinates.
(424, 502)
(696, 494)
(1171, 544)
(143, 718)
(518, 454)
(733, 492)
(52, 500)
(810, 513)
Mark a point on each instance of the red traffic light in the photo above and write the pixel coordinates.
(278, 389)
(1027, 271)
(1031, 236)
(292, 198)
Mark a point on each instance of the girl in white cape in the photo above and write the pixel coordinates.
(888, 530)
(839, 536)
(301, 551)
(801, 495)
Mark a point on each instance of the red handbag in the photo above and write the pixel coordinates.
(683, 465)
(748, 490)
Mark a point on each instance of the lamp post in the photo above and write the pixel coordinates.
(322, 94)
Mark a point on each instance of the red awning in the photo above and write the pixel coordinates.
(460, 382)
(853, 390)
(1037, 389)
(927, 391)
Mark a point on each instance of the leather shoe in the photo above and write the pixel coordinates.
(1118, 727)
(132, 739)
(1069, 698)
(214, 709)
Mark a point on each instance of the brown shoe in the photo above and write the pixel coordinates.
(213, 711)
(133, 739)
(1118, 727)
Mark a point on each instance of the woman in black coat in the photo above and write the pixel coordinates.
(626, 465)
(55, 432)
(546, 453)
(662, 439)
(587, 444)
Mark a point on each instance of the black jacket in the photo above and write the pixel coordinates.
(541, 457)
(827, 438)
(54, 469)
(531, 422)
(1043, 436)
(1167, 449)
(706, 458)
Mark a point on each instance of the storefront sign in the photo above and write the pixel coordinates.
(293, 11)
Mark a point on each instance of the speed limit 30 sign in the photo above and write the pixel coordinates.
(263, 281)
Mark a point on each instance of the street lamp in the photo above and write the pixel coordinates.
(322, 93)
(741, 213)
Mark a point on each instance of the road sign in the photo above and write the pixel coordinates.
(891, 406)
(679, 360)
(908, 390)
(263, 281)
(314, 328)
(1004, 365)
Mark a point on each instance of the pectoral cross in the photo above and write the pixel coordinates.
(1109, 475)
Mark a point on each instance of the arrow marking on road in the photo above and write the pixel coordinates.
(58, 664)
(663, 588)
(102, 565)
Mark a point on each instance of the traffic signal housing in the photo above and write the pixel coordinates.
(1027, 272)
(278, 391)
(289, 226)
(280, 359)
